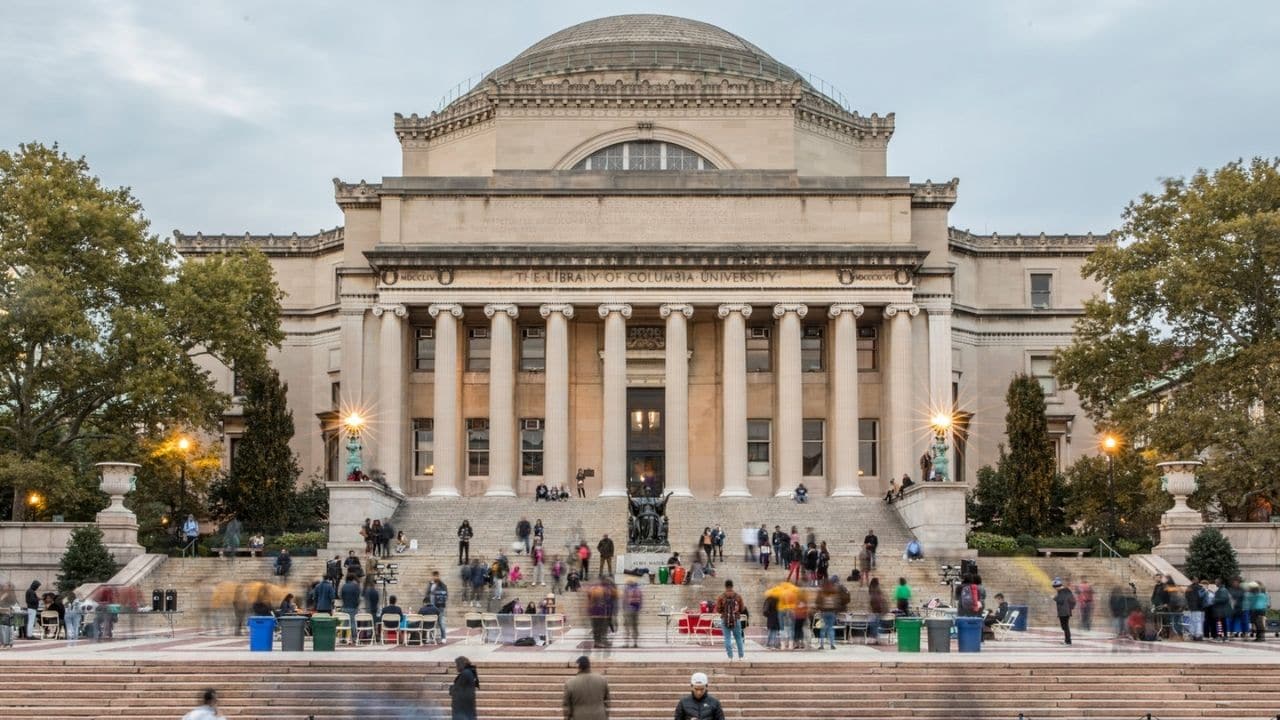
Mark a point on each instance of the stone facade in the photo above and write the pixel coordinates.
(646, 248)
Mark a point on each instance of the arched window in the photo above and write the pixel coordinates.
(644, 155)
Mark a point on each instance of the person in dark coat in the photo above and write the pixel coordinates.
(325, 595)
(1066, 602)
(462, 694)
(33, 608)
(698, 704)
(371, 596)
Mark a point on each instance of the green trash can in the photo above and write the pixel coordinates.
(324, 630)
(664, 575)
(908, 629)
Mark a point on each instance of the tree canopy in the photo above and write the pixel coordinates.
(1190, 319)
(102, 329)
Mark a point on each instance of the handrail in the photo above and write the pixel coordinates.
(1104, 544)
(182, 550)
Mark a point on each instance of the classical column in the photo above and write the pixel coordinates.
(555, 433)
(789, 431)
(677, 397)
(940, 399)
(842, 442)
(733, 378)
(613, 471)
(352, 376)
(444, 413)
(901, 402)
(502, 401)
(391, 391)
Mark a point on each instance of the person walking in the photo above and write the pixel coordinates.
(632, 600)
(524, 533)
(462, 693)
(1066, 602)
(438, 595)
(1084, 597)
(325, 595)
(902, 596)
(208, 709)
(717, 542)
(698, 704)
(871, 543)
(231, 535)
(586, 695)
(833, 600)
(731, 608)
(464, 542)
(605, 548)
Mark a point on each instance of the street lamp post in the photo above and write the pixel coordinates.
(941, 423)
(353, 423)
(1109, 445)
(183, 445)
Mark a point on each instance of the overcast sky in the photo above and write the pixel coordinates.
(233, 116)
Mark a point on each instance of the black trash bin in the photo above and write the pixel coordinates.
(293, 628)
(939, 634)
(171, 600)
(157, 600)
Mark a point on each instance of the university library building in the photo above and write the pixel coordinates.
(646, 248)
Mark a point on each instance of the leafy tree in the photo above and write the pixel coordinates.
(1029, 467)
(1138, 498)
(1210, 556)
(86, 560)
(309, 510)
(985, 505)
(1190, 315)
(261, 487)
(101, 330)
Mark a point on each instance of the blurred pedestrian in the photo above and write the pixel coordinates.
(462, 693)
(208, 709)
(1066, 602)
(586, 695)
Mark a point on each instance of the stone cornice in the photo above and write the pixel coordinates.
(843, 257)
(357, 195)
(493, 97)
(320, 243)
(720, 183)
(929, 195)
(965, 242)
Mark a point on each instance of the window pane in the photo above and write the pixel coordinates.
(645, 156)
(867, 348)
(533, 350)
(424, 447)
(531, 447)
(758, 349)
(869, 447)
(758, 430)
(425, 352)
(813, 448)
(478, 349)
(811, 350)
(758, 447)
(478, 447)
(1041, 290)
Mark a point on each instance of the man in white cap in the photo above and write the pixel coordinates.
(698, 704)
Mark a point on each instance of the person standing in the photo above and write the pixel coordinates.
(731, 607)
(524, 533)
(871, 543)
(779, 542)
(231, 535)
(464, 542)
(325, 595)
(632, 600)
(586, 695)
(462, 693)
(605, 548)
(1084, 597)
(208, 709)
(1193, 597)
(1259, 603)
(582, 486)
(438, 595)
(584, 560)
(1066, 602)
(350, 595)
(33, 608)
(190, 530)
(717, 542)
(698, 704)
(833, 600)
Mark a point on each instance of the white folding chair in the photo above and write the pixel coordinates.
(474, 622)
(390, 623)
(50, 627)
(489, 624)
(412, 630)
(522, 623)
(555, 624)
(430, 629)
(1001, 630)
(364, 630)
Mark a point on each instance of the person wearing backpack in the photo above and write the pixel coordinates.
(438, 595)
(1066, 602)
(972, 597)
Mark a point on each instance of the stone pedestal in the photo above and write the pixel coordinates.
(934, 513)
(1180, 523)
(119, 526)
(350, 503)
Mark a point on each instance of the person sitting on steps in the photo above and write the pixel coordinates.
(801, 494)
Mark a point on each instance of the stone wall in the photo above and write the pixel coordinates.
(32, 550)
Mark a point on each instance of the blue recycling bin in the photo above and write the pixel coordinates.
(969, 634)
(1020, 625)
(261, 630)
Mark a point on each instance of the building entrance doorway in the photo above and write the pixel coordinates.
(646, 443)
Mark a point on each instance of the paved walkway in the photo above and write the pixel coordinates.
(1032, 647)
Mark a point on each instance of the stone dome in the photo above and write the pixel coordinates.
(644, 42)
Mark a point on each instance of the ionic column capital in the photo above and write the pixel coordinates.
(451, 308)
(622, 309)
(743, 309)
(908, 308)
(666, 309)
(563, 308)
(798, 308)
(506, 308)
(395, 308)
(853, 309)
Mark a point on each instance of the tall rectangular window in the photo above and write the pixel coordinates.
(335, 395)
(758, 447)
(758, 349)
(531, 447)
(1041, 290)
(424, 447)
(478, 447)
(1042, 370)
(811, 350)
(424, 352)
(813, 435)
(533, 349)
(868, 348)
(478, 349)
(869, 447)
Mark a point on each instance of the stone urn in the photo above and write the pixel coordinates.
(117, 479)
(1179, 480)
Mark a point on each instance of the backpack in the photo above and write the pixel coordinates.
(440, 596)
(971, 598)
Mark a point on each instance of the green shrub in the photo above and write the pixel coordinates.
(1025, 540)
(1211, 556)
(1128, 547)
(86, 560)
(1067, 541)
(294, 541)
(992, 544)
(1025, 551)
